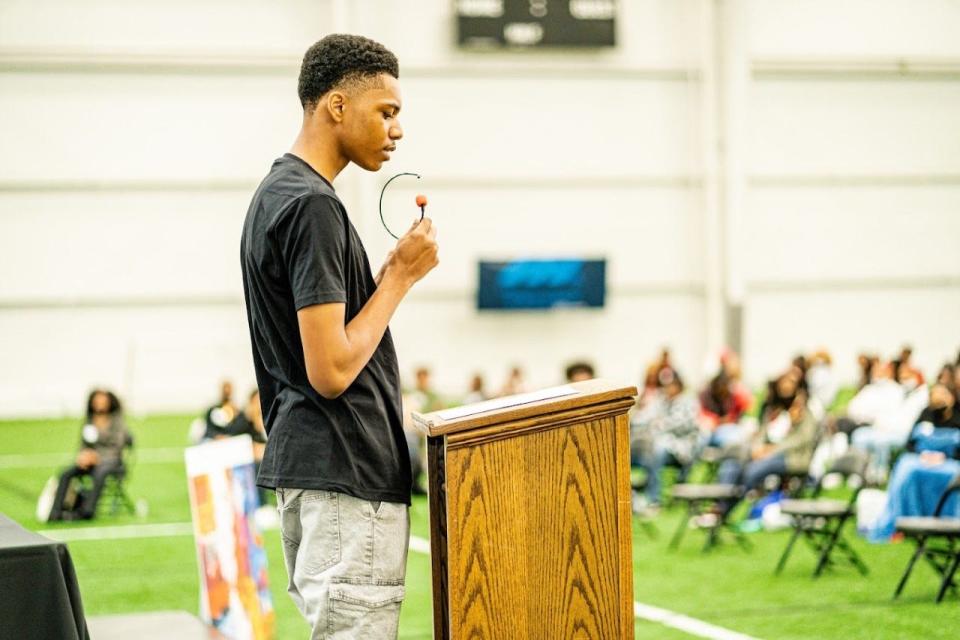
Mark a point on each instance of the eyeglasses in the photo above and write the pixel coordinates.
(422, 206)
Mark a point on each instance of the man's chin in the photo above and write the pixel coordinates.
(370, 165)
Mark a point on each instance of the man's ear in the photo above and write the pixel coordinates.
(335, 103)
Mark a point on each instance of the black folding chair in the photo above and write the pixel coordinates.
(703, 499)
(923, 530)
(643, 518)
(700, 499)
(821, 520)
(710, 458)
(115, 486)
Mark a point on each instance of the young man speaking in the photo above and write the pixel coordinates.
(325, 362)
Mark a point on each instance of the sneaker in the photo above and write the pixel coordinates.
(749, 526)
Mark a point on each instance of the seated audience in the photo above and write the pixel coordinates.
(219, 416)
(515, 383)
(421, 399)
(947, 375)
(866, 364)
(723, 403)
(822, 382)
(881, 396)
(579, 371)
(781, 392)
(102, 439)
(905, 360)
(249, 422)
(476, 393)
(932, 457)
(656, 373)
(889, 430)
(665, 432)
(784, 444)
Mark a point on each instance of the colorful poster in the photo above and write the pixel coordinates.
(234, 596)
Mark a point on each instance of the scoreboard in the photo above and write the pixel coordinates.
(492, 24)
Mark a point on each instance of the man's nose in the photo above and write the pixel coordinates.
(396, 131)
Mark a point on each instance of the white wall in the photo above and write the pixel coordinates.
(853, 171)
(134, 133)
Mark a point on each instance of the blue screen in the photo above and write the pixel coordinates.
(541, 284)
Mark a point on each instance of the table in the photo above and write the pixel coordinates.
(39, 595)
(153, 625)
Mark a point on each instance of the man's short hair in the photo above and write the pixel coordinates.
(340, 58)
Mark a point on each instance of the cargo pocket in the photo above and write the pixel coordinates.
(364, 608)
(320, 537)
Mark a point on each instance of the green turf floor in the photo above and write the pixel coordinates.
(728, 587)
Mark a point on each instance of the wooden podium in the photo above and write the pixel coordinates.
(530, 518)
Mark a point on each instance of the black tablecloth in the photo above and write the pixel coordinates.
(39, 596)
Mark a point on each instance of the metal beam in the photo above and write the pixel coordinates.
(846, 69)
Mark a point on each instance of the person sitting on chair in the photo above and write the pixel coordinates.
(218, 417)
(931, 458)
(103, 437)
(723, 403)
(249, 422)
(783, 445)
(665, 432)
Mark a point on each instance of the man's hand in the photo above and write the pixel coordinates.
(761, 451)
(415, 254)
(932, 458)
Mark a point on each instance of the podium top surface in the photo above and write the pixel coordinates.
(576, 395)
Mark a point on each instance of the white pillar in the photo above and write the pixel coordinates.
(734, 75)
(713, 237)
(724, 82)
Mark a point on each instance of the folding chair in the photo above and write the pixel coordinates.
(645, 520)
(114, 488)
(944, 559)
(699, 498)
(710, 457)
(821, 520)
(115, 491)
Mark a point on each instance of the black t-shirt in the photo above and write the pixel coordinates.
(300, 249)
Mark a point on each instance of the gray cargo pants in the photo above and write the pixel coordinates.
(346, 561)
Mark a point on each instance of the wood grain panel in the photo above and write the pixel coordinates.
(487, 547)
(534, 547)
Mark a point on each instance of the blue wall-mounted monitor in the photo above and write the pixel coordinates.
(541, 284)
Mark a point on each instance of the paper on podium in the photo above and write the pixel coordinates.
(503, 403)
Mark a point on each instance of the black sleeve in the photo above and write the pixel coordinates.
(311, 238)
